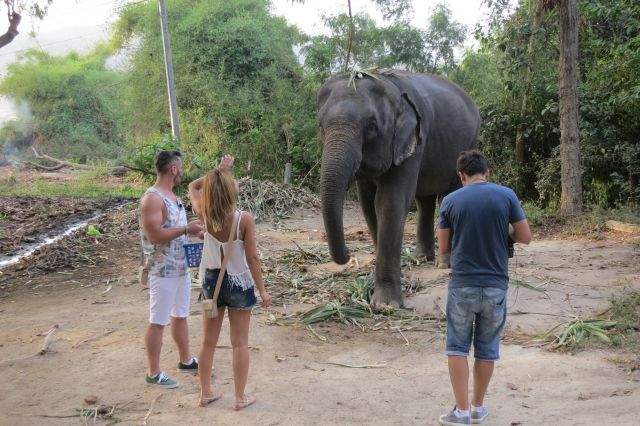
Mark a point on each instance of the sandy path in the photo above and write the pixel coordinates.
(288, 372)
(289, 376)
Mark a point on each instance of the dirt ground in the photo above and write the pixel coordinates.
(102, 314)
(28, 220)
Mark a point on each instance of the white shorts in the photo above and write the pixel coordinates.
(169, 297)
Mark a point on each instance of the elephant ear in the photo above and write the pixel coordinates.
(412, 120)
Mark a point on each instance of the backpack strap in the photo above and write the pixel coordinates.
(238, 227)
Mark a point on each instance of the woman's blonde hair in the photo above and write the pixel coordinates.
(219, 198)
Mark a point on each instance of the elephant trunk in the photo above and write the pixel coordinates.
(339, 166)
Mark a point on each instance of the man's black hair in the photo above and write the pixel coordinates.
(164, 160)
(472, 162)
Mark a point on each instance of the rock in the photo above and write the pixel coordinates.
(90, 399)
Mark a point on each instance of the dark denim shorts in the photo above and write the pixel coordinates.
(478, 315)
(231, 296)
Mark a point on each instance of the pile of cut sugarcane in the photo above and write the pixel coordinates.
(274, 201)
(574, 333)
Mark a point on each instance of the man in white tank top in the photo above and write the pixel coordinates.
(163, 231)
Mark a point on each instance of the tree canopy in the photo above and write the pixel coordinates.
(397, 44)
(246, 83)
(239, 85)
(518, 58)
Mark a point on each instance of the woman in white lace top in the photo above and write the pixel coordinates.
(215, 198)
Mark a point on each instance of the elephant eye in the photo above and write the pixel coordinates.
(372, 129)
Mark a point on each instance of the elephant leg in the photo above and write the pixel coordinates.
(393, 200)
(426, 241)
(367, 195)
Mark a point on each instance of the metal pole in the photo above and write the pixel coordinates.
(168, 65)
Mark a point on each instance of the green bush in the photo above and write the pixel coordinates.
(240, 88)
(73, 100)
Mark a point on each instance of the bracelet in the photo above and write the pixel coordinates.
(185, 231)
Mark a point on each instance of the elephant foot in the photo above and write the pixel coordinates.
(341, 259)
(422, 252)
(384, 297)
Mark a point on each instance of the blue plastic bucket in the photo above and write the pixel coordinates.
(193, 253)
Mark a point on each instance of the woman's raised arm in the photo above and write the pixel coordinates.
(195, 187)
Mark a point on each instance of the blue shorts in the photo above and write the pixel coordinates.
(231, 296)
(476, 314)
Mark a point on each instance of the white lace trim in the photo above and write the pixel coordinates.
(244, 280)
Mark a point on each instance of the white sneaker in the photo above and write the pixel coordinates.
(479, 415)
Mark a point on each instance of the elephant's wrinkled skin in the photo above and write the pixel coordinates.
(398, 135)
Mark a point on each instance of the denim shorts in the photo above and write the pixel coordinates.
(231, 296)
(476, 314)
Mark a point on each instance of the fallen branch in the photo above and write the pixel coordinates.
(539, 313)
(43, 167)
(104, 412)
(146, 417)
(253, 348)
(53, 416)
(339, 364)
(311, 368)
(46, 347)
(48, 340)
(58, 161)
(399, 330)
(321, 338)
(308, 173)
(92, 338)
(521, 283)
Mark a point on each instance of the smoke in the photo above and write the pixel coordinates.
(17, 134)
(23, 112)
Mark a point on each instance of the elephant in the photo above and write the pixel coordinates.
(397, 135)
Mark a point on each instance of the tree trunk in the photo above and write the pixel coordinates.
(571, 172)
(12, 31)
(536, 21)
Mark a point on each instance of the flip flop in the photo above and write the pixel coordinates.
(246, 401)
(203, 402)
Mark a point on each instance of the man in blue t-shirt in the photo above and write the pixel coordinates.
(478, 222)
